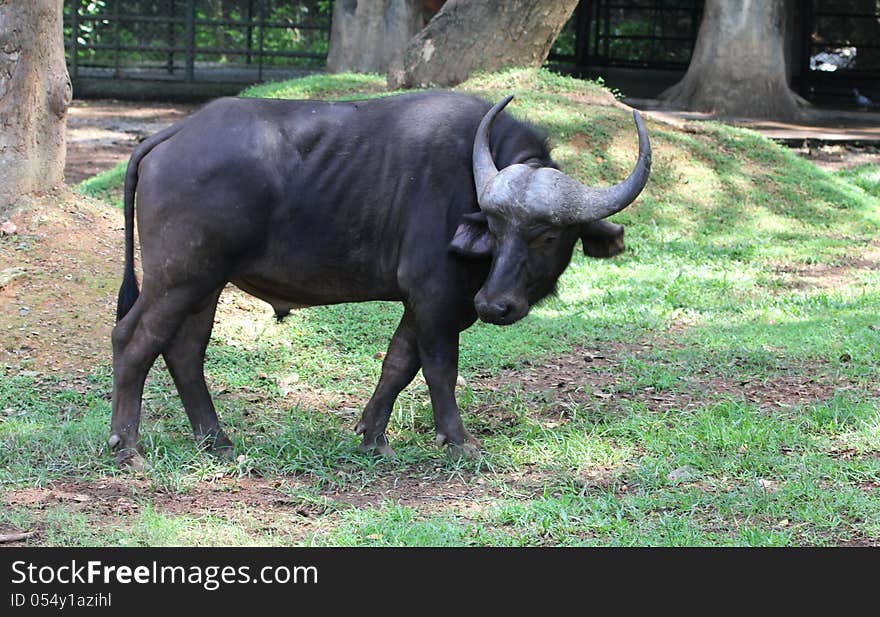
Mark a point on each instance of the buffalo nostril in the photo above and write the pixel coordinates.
(501, 309)
(495, 312)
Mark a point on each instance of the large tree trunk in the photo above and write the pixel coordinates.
(35, 92)
(738, 68)
(470, 35)
(366, 35)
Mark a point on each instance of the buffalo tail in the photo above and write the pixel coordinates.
(128, 291)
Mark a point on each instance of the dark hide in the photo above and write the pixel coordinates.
(602, 239)
(305, 203)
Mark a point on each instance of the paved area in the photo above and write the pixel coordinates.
(821, 125)
(101, 133)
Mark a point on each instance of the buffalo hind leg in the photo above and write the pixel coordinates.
(185, 357)
(138, 339)
(438, 351)
(400, 365)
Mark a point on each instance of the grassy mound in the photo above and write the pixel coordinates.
(716, 384)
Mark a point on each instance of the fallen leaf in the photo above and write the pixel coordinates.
(770, 486)
(682, 474)
(10, 274)
(285, 384)
(15, 537)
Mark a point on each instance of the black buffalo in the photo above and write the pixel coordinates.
(304, 203)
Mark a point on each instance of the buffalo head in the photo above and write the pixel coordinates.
(529, 220)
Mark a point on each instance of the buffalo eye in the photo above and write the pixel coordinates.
(545, 240)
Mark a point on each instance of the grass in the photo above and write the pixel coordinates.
(731, 400)
(106, 185)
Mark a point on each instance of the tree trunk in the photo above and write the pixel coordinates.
(738, 68)
(366, 35)
(35, 92)
(471, 35)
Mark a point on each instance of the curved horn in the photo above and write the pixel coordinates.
(575, 203)
(484, 166)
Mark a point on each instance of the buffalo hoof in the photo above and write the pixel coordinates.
(383, 450)
(466, 450)
(226, 452)
(127, 457)
(377, 445)
(130, 458)
(218, 444)
(466, 447)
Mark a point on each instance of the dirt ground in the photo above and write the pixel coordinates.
(101, 133)
(834, 157)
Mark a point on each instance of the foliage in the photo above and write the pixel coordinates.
(636, 32)
(289, 28)
(106, 185)
(866, 177)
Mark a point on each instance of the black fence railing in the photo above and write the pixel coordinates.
(241, 41)
(655, 34)
(834, 46)
(840, 50)
(201, 44)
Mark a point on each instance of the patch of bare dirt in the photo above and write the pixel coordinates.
(826, 276)
(102, 133)
(582, 374)
(779, 391)
(421, 494)
(834, 157)
(599, 377)
(109, 500)
(57, 315)
(270, 501)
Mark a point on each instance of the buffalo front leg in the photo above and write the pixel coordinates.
(185, 357)
(438, 351)
(400, 365)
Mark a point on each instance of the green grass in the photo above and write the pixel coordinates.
(748, 269)
(333, 86)
(866, 177)
(106, 185)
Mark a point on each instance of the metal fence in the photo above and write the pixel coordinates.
(834, 45)
(840, 50)
(237, 41)
(654, 34)
(197, 45)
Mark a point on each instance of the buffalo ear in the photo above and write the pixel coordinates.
(602, 239)
(472, 238)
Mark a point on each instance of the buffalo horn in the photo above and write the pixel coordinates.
(484, 166)
(551, 193)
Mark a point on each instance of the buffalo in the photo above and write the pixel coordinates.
(437, 200)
